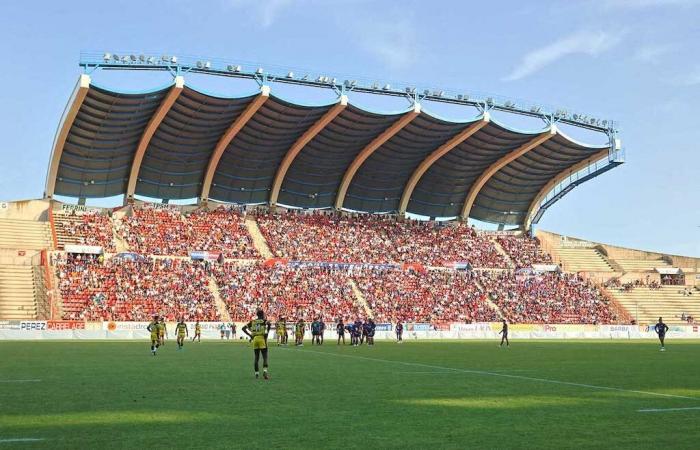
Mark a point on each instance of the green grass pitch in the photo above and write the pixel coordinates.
(459, 394)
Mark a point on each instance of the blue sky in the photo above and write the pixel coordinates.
(632, 60)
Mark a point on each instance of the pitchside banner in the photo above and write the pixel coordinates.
(32, 325)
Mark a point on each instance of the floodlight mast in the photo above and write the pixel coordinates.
(176, 65)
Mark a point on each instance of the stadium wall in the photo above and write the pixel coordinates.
(36, 210)
(66, 330)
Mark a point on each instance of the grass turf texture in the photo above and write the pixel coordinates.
(116, 395)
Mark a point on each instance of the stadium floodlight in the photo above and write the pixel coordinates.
(605, 123)
(319, 79)
(387, 87)
(173, 60)
(229, 68)
(151, 60)
(375, 86)
(305, 78)
(576, 116)
(133, 58)
(259, 71)
(142, 57)
(426, 92)
(200, 64)
(535, 109)
(237, 68)
(334, 81)
(459, 97)
(107, 57)
(207, 65)
(290, 75)
(165, 58)
(125, 59)
(465, 97)
(489, 101)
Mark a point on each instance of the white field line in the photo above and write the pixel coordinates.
(670, 409)
(19, 381)
(3, 441)
(506, 375)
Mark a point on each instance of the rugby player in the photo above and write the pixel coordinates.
(299, 332)
(504, 333)
(340, 328)
(661, 328)
(163, 331)
(197, 332)
(281, 331)
(399, 332)
(181, 331)
(371, 327)
(258, 329)
(315, 332)
(154, 328)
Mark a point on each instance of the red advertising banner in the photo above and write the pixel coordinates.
(65, 325)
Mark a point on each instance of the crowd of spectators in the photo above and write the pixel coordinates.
(551, 297)
(375, 239)
(87, 228)
(524, 251)
(133, 290)
(166, 231)
(428, 297)
(288, 292)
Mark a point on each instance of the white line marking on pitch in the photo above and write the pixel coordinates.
(506, 375)
(670, 409)
(2, 441)
(19, 381)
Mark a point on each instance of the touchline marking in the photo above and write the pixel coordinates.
(2, 441)
(19, 381)
(506, 375)
(669, 409)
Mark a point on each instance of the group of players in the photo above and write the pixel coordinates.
(258, 330)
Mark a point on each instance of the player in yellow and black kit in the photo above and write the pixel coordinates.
(257, 329)
(162, 332)
(181, 331)
(281, 329)
(299, 328)
(154, 328)
(197, 332)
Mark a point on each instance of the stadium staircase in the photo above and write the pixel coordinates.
(258, 239)
(25, 234)
(647, 305)
(120, 244)
(584, 260)
(503, 253)
(489, 302)
(360, 299)
(17, 292)
(220, 305)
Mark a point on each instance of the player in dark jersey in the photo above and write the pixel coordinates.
(371, 327)
(258, 329)
(357, 327)
(504, 333)
(323, 329)
(316, 332)
(661, 328)
(340, 329)
(399, 332)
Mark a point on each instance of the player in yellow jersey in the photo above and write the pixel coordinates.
(258, 329)
(281, 329)
(163, 331)
(299, 332)
(181, 331)
(197, 332)
(154, 328)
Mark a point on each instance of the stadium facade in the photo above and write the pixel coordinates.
(179, 143)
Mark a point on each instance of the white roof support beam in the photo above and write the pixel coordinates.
(227, 137)
(501, 163)
(561, 176)
(148, 133)
(436, 155)
(369, 149)
(69, 114)
(300, 143)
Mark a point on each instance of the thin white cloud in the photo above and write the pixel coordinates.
(653, 54)
(266, 12)
(644, 4)
(391, 40)
(591, 43)
(689, 78)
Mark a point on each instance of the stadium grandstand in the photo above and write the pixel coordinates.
(327, 210)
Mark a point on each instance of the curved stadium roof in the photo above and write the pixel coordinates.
(179, 143)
